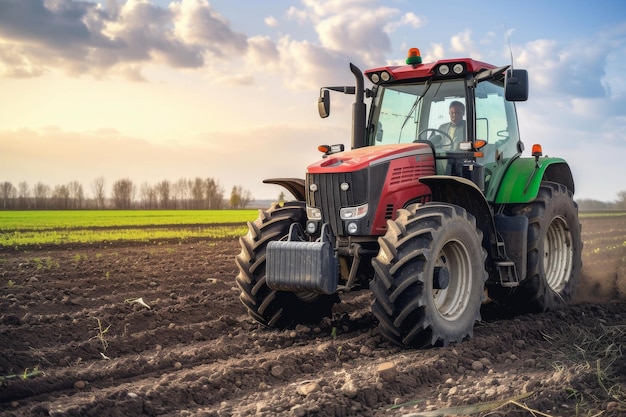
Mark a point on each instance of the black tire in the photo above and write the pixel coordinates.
(554, 250)
(278, 309)
(414, 306)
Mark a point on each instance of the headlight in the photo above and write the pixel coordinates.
(313, 213)
(451, 69)
(380, 77)
(348, 213)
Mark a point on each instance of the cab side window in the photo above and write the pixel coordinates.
(495, 122)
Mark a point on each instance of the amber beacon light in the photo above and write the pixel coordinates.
(414, 57)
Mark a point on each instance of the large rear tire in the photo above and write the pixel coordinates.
(278, 309)
(554, 250)
(429, 276)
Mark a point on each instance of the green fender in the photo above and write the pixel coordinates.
(521, 181)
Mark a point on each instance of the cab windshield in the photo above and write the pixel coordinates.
(431, 111)
(437, 112)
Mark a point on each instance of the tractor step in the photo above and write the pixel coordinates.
(508, 274)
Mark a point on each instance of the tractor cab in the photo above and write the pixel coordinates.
(461, 108)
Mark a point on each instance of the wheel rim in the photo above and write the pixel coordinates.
(452, 301)
(558, 254)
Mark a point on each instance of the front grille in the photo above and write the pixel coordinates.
(330, 198)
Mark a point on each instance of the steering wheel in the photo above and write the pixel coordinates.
(447, 140)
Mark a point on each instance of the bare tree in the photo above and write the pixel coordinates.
(7, 194)
(123, 194)
(42, 192)
(61, 197)
(180, 191)
(99, 193)
(76, 194)
(163, 194)
(23, 195)
(147, 196)
(246, 197)
(214, 194)
(197, 192)
(621, 199)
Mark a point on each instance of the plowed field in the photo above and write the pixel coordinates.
(75, 340)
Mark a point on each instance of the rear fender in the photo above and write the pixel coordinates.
(295, 186)
(524, 176)
(464, 193)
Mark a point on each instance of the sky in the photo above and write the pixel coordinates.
(227, 89)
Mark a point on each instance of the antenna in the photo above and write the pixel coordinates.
(506, 31)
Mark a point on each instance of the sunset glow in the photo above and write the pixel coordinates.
(154, 90)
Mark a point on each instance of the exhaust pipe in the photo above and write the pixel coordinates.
(358, 111)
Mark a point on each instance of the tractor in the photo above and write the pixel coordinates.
(435, 218)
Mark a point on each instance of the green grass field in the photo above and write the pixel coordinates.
(25, 228)
(612, 213)
(76, 219)
(19, 229)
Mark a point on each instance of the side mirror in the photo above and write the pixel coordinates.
(516, 85)
(323, 104)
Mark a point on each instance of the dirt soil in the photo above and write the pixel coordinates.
(76, 341)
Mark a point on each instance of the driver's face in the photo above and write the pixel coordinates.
(456, 115)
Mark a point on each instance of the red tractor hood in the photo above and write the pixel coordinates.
(362, 158)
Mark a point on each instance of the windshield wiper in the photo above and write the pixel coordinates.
(414, 106)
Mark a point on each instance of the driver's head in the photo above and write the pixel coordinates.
(457, 110)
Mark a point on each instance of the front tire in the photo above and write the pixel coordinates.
(278, 309)
(429, 276)
(554, 250)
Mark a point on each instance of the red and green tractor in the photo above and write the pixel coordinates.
(433, 209)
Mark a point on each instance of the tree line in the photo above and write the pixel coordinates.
(185, 194)
(588, 204)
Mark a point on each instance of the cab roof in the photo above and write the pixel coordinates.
(456, 68)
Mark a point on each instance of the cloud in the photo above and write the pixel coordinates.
(60, 25)
(584, 68)
(310, 66)
(197, 23)
(356, 30)
(261, 50)
(120, 40)
(409, 19)
(14, 63)
(322, 8)
(359, 27)
(462, 44)
(78, 37)
(361, 31)
(271, 21)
